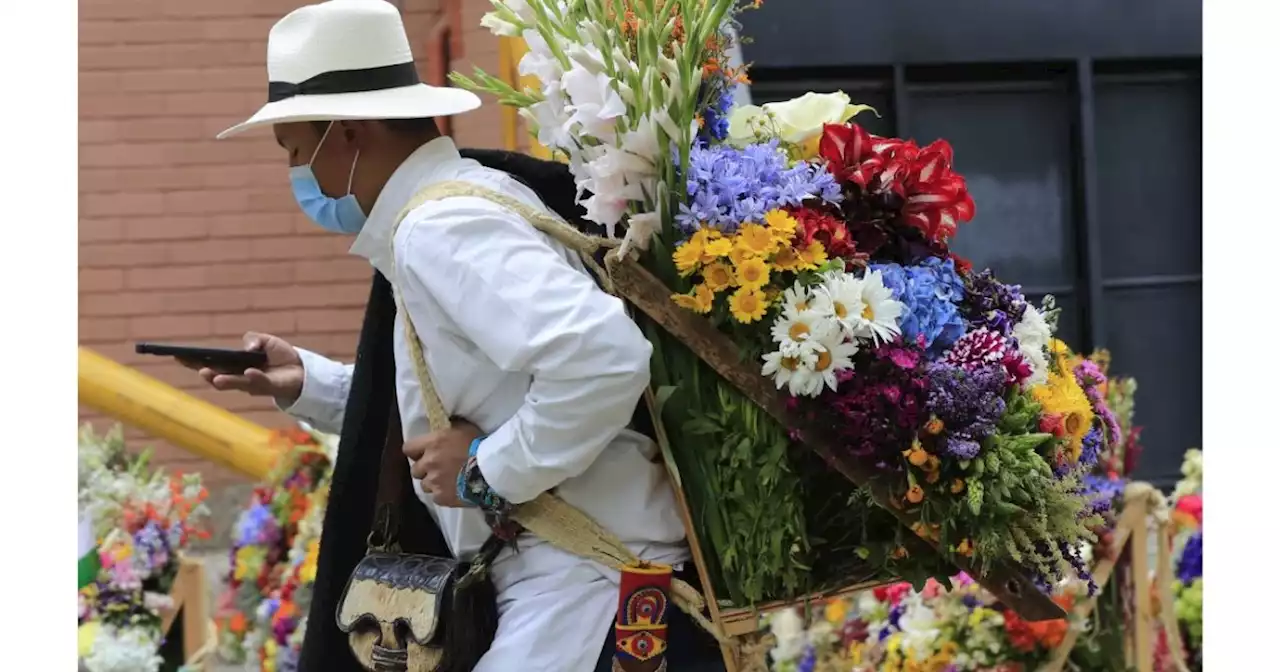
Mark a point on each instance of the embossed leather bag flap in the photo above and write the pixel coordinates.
(397, 590)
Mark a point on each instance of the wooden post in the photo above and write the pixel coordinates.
(189, 595)
(1132, 531)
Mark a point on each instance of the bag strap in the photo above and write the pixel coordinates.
(547, 516)
(392, 473)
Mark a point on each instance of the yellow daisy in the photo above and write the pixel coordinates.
(718, 276)
(756, 239)
(813, 256)
(740, 253)
(752, 273)
(688, 256)
(748, 305)
(787, 259)
(715, 249)
(700, 301)
(1062, 396)
(781, 224)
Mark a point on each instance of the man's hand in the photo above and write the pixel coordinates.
(282, 377)
(439, 457)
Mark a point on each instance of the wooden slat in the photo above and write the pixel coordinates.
(1132, 518)
(647, 293)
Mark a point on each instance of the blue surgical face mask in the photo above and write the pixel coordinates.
(340, 215)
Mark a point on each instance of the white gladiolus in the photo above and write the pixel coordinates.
(594, 104)
(520, 8)
(499, 26)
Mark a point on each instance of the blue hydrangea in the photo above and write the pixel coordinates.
(729, 186)
(931, 291)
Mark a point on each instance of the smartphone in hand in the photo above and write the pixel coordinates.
(233, 362)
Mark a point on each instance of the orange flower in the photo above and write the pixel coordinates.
(916, 455)
(934, 427)
(915, 494)
(957, 486)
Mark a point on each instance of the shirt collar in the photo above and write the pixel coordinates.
(433, 162)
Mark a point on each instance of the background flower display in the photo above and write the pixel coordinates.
(898, 629)
(1188, 586)
(141, 520)
(275, 545)
(823, 252)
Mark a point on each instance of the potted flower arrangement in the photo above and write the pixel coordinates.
(841, 398)
(138, 520)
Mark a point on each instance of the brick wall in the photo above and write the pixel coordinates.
(184, 238)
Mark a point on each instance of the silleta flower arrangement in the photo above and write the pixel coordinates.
(141, 520)
(820, 254)
(897, 629)
(275, 546)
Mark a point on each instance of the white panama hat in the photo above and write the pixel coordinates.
(347, 59)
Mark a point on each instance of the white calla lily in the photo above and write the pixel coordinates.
(797, 121)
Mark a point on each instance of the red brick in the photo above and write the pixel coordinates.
(329, 320)
(251, 274)
(166, 228)
(103, 180)
(97, 230)
(160, 327)
(167, 277)
(124, 254)
(312, 296)
(252, 225)
(117, 105)
(121, 304)
(93, 205)
(101, 279)
(265, 321)
(121, 155)
(329, 246)
(261, 175)
(209, 251)
(204, 201)
(120, 9)
(208, 301)
(97, 329)
(332, 271)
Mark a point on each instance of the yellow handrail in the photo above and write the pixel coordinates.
(168, 413)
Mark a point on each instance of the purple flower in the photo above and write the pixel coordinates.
(1091, 448)
(729, 186)
(969, 403)
(992, 304)
(1191, 564)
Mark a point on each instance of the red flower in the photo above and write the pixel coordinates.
(816, 225)
(935, 200)
(1020, 635)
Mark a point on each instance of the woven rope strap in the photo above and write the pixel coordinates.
(547, 516)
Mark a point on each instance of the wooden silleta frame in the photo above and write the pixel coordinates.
(648, 294)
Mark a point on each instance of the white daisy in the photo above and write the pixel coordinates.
(833, 355)
(794, 327)
(840, 297)
(1033, 334)
(791, 369)
(796, 299)
(880, 311)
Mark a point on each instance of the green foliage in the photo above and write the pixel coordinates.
(764, 547)
(1012, 502)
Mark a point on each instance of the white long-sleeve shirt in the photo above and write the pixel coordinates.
(522, 343)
